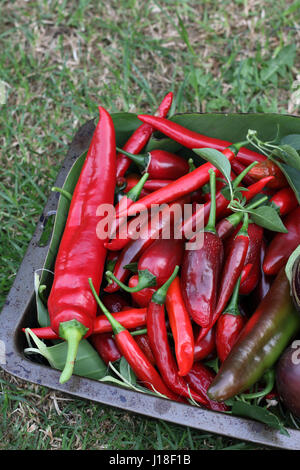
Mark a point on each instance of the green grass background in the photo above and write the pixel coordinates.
(58, 61)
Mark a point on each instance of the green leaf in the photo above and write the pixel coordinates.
(258, 413)
(289, 155)
(126, 371)
(88, 362)
(218, 159)
(293, 177)
(292, 140)
(289, 265)
(267, 217)
(42, 312)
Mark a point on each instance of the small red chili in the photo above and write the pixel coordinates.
(143, 296)
(106, 346)
(269, 168)
(285, 200)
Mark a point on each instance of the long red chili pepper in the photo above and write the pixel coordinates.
(140, 137)
(200, 378)
(81, 254)
(135, 357)
(158, 337)
(285, 200)
(192, 140)
(201, 269)
(229, 325)
(255, 233)
(130, 318)
(232, 270)
(181, 328)
(144, 343)
(148, 235)
(283, 244)
(182, 186)
(160, 164)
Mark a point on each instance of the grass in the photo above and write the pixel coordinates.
(59, 60)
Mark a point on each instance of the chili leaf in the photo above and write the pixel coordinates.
(293, 177)
(88, 362)
(289, 265)
(292, 139)
(217, 159)
(289, 155)
(42, 312)
(126, 371)
(258, 413)
(267, 217)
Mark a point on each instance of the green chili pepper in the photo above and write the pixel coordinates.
(261, 342)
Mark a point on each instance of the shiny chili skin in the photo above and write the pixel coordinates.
(141, 136)
(106, 346)
(269, 168)
(255, 233)
(181, 328)
(229, 325)
(133, 250)
(205, 346)
(143, 296)
(81, 252)
(129, 318)
(283, 244)
(161, 164)
(263, 339)
(265, 281)
(285, 200)
(144, 343)
(165, 361)
(178, 188)
(192, 140)
(200, 379)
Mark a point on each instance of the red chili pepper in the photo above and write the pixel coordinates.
(144, 343)
(160, 164)
(232, 270)
(205, 346)
(114, 302)
(238, 167)
(200, 378)
(229, 325)
(135, 248)
(181, 328)
(283, 244)
(81, 254)
(140, 137)
(269, 168)
(192, 140)
(106, 346)
(135, 357)
(285, 200)
(255, 233)
(201, 269)
(182, 186)
(143, 296)
(158, 337)
(131, 318)
(265, 282)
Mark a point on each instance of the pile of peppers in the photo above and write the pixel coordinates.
(172, 311)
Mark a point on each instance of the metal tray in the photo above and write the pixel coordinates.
(19, 311)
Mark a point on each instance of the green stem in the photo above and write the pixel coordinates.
(242, 175)
(192, 165)
(159, 297)
(116, 326)
(233, 308)
(269, 379)
(146, 279)
(135, 192)
(72, 331)
(139, 159)
(139, 332)
(63, 192)
(211, 224)
(244, 228)
(237, 146)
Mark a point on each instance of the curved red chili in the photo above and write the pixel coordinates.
(205, 346)
(191, 139)
(285, 201)
(143, 296)
(141, 136)
(81, 254)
